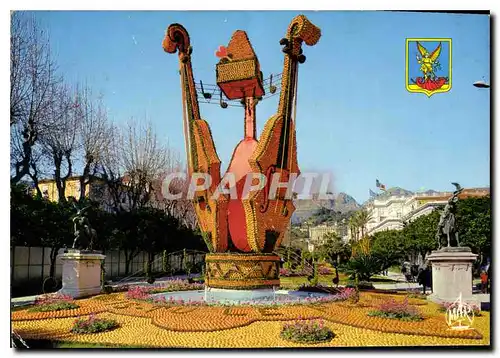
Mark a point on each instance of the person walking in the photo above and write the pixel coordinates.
(422, 279)
(484, 282)
(428, 276)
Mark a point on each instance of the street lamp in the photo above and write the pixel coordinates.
(481, 84)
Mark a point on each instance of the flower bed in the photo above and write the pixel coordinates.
(55, 302)
(93, 325)
(142, 293)
(285, 272)
(397, 310)
(217, 319)
(306, 331)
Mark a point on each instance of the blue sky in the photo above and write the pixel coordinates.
(355, 118)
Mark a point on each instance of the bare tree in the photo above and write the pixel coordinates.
(181, 208)
(58, 135)
(32, 75)
(144, 160)
(93, 134)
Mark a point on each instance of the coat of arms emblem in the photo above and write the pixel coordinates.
(428, 65)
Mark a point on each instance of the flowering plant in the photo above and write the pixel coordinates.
(53, 302)
(285, 272)
(143, 292)
(306, 331)
(323, 270)
(443, 307)
(93, 324)
(415, 293)
(397, 310)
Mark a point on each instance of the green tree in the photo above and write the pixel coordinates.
(362, 219)
(421, 234)
(474, 225)
(333, 248)
(390, 246)
(363, 266)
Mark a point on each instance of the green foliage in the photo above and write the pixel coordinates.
(393, 309)
(421, 233)
(400, 316)
(313, 279)
(328, 216)
(364, 266)
(39, 222)
(93, 325)
(333, 249)
(56, 306)
(474, 224)
(389, 246)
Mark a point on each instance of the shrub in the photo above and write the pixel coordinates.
(415, 293)
(443, 307)
(285, 272)
(306, 331)
(143, 292)
(397, 310)
(55, 302)
(93, 325)
(364, 265)
(138, 292)
(325, 270)
(176, 285)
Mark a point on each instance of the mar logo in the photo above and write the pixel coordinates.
(428, 65)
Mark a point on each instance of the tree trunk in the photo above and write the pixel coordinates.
(23, 166)
(84, 179)
(34, 177)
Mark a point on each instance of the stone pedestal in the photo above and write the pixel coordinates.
(81, 273)
(452, 274)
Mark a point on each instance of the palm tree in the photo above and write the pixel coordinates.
(363, 217)
(353, 226)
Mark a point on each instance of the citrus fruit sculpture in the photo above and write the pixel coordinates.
(242, 232)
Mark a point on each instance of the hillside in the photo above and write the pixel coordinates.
(342, 204)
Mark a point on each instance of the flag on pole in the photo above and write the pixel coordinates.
(379, 185)
(372, 194)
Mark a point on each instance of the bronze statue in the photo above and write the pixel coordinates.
(84, 233)
(447, 223)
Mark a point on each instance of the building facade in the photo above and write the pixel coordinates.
(95, 190)
(317, 234)
(392, 212)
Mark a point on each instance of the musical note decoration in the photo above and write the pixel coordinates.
(205, 94)
(221, 102)
(272, 88)
(272, 81)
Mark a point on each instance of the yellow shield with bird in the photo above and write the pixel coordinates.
(428, 65)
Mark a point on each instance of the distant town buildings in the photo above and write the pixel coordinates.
(318, 234)
(96, 190)
(390, 213)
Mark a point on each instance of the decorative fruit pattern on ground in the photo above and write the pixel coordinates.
(150, 325)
